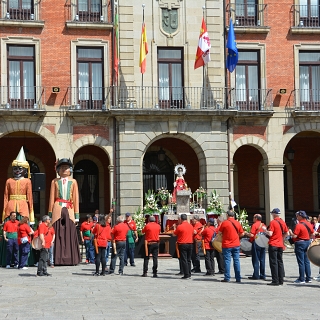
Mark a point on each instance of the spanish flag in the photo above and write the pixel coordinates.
(143, 49)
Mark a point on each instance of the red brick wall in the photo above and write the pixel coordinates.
(279, 48)
(257, 131)
(98, 131)
(247, 159)
(55, 46)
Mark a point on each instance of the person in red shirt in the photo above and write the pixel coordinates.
(231, 231)
(258, 254)
(100, 232)
(197, 241)
(119, 235)
(207, 235)
(151, 231)
(109, 237)
(184, 233)
(132, 238)
(301, 237)
(24, 233)
(46, 243)
(86, 238)
(10, 235)
(277, 231)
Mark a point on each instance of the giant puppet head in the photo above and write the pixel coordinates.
(20, 166)
(61, 165)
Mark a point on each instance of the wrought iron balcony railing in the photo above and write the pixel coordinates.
(135, 97)
(306, 16)
(250, 99)
(307, 99)
(248, 15)
(22, 97)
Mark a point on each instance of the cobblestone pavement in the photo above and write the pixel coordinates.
(73, 293)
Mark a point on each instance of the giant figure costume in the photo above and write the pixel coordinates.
(64, 210)
(18, 191)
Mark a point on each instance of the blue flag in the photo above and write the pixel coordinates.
(232, 54)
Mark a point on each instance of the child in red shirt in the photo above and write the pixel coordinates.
(24, 233)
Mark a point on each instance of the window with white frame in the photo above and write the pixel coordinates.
(309, 79)
(309, 13)
(247, 12)
(20, 10)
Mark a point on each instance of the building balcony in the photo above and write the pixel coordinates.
(305, 19)
(248, 18)
(251, 100)
(95, 16)
(169, 99)
(21, 17)
(307, 101)
(22, 100)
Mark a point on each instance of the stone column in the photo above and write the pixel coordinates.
(274, 189)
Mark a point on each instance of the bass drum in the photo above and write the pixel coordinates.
(314, 252)
(36, 243)
(217, 242)
(245, 245)
(261, 240)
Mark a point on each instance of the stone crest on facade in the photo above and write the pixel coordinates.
(169, 17)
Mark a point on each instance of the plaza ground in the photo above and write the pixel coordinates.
(73, 293)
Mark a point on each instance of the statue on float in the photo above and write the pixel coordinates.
(180, 183)
(64, 210)
(18, 191)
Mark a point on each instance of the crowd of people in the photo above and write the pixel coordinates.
(100, 238)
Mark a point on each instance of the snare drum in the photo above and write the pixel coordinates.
(217, 242)
(261, 240)
(245, 244)
(314, 252)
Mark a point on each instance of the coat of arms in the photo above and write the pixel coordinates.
(169, 20)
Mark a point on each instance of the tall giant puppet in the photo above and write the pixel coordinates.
(18, 191)
(64, 210)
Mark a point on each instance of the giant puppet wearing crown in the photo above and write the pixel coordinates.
(18, 190)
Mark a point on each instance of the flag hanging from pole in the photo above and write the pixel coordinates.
(232, 54)
(116, 46)
(143, 49)
(204, 45)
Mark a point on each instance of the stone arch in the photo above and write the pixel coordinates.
(192, 143)
(315, 185)
(33, 127)
(252, 141)
(101, 169)
(96, 142)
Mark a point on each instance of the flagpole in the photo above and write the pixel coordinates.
(203, 67)
(143, 5)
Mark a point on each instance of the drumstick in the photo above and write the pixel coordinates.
(114, 247)
(146, 248)
(203, 247)
(177, 249)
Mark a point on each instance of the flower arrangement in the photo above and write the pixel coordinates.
(201, 193)
(163, 194)
(242, 217)
(151, 203)
(165, 208)
(215, 205)
(140, 220)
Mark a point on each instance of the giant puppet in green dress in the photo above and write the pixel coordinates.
(64, 210)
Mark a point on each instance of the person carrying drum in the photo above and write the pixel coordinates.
(301, 237)
(258, 254)
(277, 231)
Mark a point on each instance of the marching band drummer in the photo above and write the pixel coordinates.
(197, 240)
(258, 254)
(301, 237)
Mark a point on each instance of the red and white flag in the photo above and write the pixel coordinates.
(204, 45)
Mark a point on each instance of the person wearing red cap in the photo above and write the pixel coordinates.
(301, 237)
(277, 231)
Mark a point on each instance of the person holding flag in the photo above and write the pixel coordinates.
(204, 45)
(232, 55)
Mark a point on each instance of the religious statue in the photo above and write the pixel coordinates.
(64, 210)
(18, 191)
(180, 183)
